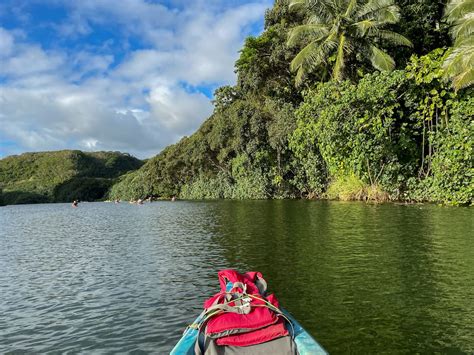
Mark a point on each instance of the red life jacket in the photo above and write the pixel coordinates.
(258, 336)
(254, 325)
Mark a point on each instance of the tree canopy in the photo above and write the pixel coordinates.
(459, 65)
(361, 127)
(344, 35)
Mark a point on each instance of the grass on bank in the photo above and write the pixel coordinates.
(352, 188)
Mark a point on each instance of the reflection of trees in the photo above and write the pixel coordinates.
(359, 277)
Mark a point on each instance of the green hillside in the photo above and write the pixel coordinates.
(61, 176)
(352, 100)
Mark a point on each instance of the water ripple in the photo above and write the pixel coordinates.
(108, 278)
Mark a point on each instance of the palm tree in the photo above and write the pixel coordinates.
(338, 31)
(459, 65)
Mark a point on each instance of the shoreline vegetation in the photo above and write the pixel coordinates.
(61, 176)
(351, 100)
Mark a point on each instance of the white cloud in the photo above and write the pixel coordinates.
(63, 98)
(27, 60)
(214, 40)
(88, 62)
(6, 43)
(179, 112)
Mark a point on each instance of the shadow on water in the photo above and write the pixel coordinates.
(361, 278)
(22, 197)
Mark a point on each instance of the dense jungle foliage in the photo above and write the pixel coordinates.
(61, 176)
(336, 99)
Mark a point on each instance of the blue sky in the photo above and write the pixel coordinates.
(128, 75)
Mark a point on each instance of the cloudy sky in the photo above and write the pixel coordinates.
(128, 75)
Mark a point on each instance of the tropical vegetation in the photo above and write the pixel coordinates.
(459, 65)
(339, 32)
(343, 99)
(61, 176)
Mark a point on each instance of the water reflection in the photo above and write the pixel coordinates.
(362, 278)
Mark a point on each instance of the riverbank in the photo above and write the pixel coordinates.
(392, 127)
(402, 135)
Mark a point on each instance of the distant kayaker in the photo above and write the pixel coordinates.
(75, 203)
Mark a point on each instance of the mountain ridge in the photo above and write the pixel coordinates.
(62, 176)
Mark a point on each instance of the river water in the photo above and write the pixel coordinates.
(108, 278)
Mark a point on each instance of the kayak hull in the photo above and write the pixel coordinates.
(305, 343)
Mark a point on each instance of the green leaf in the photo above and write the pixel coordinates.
(381, 60)
(394, 38)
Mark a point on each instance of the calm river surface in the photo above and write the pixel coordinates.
(106, 278)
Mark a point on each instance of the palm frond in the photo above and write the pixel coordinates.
(319, 19)
(393, 38)
(328, 6)
(351, 6)
(459, 60)
(363, 26)
(295, 5)
(300, 74)
(298, 32)
(463, 80)
(323, 8)
(315, 53)
(388, 15)
(311, 57)
(337, 28)
(459, 66)
(331, 41)
(456, 9)
(323, 53)
(465, 42)
(304, 55)
(337, 72)
(373, 6)
(381, 60)
(464, 27)
(349, 45)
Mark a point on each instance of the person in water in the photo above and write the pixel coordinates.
(75, 203)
